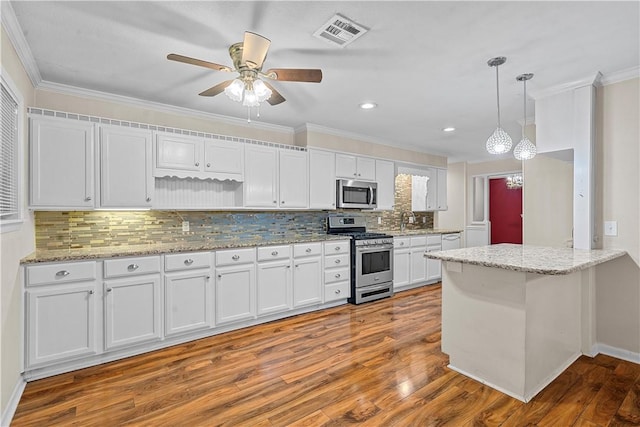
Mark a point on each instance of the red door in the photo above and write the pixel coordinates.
(505, 209)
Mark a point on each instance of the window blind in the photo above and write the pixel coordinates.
(8, 156)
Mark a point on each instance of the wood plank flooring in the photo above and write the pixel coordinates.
(376, 364)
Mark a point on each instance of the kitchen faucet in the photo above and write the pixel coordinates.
(404, 214)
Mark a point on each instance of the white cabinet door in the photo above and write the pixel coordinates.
(419, 188)
(261, 177)
(274, 287)
(132, 311)
(294, 190)
(386, 179)
(346, 166)
(307, 281)
(188, 301)
(322, 179)
(179, 152)
(62, 163)
(60, 323)
(224, 159)
(418, 265)
(432, 190)
(434, 268)
(366, 168)
(235, 293)
(442, 190)
(401, 268)
(126, 176)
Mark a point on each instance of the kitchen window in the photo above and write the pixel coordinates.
(10, 158)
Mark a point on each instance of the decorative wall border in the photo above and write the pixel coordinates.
(124, 123)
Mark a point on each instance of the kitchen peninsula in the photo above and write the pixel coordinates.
(514, 317)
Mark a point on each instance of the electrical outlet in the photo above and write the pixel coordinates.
(611, 228)
(410, 220)
(379, 220)
(424, 219)
(185, 226)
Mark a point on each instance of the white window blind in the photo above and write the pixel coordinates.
(9, 208)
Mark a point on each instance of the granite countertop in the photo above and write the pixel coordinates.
(413, 232)
(529, 259)
(74, 254)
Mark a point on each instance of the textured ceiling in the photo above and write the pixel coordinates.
(424, 63)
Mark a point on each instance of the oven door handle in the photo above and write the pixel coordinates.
(374, 248)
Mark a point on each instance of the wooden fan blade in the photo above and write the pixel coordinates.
(275, 97)
(254, 49)
(215, 90)
(295, 75)
(199, 62)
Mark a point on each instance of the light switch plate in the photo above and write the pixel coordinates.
(611, 228)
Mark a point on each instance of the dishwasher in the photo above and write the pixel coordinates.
(450, 241)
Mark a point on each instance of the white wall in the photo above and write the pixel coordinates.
(13, 246)
(454, 217)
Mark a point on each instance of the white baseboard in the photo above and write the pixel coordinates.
(12, 405)
(618, 353)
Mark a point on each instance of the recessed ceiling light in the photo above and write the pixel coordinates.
(368, 105)
(449, 129)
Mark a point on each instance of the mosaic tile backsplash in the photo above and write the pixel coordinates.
(62, 230)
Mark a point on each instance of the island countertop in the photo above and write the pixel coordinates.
(529, 259)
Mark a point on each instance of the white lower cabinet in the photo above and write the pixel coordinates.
(418, 261)
(434, 266)
(274, 280)
(401, 262)
(410, 267)
(337, 271)
(132, 312)
(307, 274)
(235, 296)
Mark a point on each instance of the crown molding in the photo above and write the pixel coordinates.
(310, 127)
(157, 106)
(530, 120)
(593, 79)
(620, 76)
(16, 36)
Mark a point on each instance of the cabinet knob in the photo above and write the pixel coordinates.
(90, 292)
(235, 257)
(87, 199)
(337, 261)
(308, 250)
(197, 163)
(337, 248)
(188, 261)
(337, 275)
(275, 202)
(62, 273)
(208, 165)
(288, 266)
(337, 291)
(109, 289)
(133, 266)
(297, 266)
(282, 202)
(148, 199)
(333, 204)
(208, 277)
(274, 253)
(401, 243)
(358, 174)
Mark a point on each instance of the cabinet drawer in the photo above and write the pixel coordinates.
(434, 239)
(336, 275)
(131, 266)
(401, 242)
(307, 249)
(333, 248)
(336, 261)
(235, 256)
(418, 241)
(268, 253)
(337, 291)
(187, 261)
(60, 273)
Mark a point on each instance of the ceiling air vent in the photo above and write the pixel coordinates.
(340, 31)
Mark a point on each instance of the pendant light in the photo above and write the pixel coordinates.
(525, 149)
(499, 142)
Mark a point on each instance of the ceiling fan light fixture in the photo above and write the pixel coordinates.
(261, 90)
(250, 99)
(235, 90)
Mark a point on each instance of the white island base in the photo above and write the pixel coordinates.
(514, 326)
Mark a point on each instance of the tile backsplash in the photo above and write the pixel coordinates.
(85, 229)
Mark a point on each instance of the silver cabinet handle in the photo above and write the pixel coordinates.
(88, 198)
(235, 257)
(109, 289)
(208, 165)
(337, 261)
(288, 266)
(337, 291)
(188, 261)
(197, 163)
(208, 277)
(297, 266)
(358, 174)
(337, 248)
(133, 266)
(62, 273)
(308, 250)
(275, 201)
(355, 174)
(148, 199)
(219, 276)
(90, 292)
(338, 276)
(401, 243)
(274, 253)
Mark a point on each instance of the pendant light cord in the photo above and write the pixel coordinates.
(498, 94)
(524, 124)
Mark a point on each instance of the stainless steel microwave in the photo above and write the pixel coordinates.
(356, 194)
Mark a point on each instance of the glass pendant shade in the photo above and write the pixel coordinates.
(250, 99)
(499, 142)
(525, 150)
(235, 90)
(261, 90)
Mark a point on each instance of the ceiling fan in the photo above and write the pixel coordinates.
(248, 57)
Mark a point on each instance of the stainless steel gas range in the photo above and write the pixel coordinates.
(371, 258)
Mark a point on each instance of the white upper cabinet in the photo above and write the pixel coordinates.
(125, 167)
(429, 191)
(386, 179)
(355, 167)
(261, 177)
(186, 156)
(294, 190)
(322, 179)
(442, 190)
(62, 163)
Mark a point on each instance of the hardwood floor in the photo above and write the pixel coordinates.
(377, 364)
